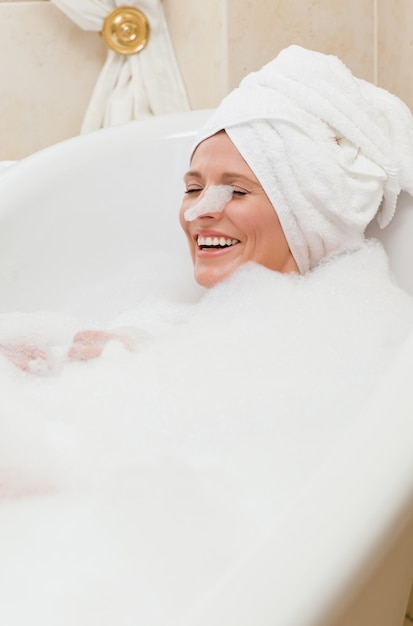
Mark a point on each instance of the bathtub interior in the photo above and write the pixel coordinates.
(79, 223)
(81, 220)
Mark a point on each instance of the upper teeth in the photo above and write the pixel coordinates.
(216, 241)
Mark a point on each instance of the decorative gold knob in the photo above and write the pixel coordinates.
(126, 30)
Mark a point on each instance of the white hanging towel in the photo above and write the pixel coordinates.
(131, 86)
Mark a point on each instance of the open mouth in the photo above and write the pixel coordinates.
(215, 243)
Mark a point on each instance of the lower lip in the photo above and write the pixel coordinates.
(204, 254)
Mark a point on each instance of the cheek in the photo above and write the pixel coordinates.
(184, 226)
(275, 248)
(182, 220)
(255, 223)
(268, 224)
(264, 231)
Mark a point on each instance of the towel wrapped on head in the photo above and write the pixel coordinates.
(331, 151)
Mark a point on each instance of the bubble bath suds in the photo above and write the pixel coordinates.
(213, 201)
(132, 482)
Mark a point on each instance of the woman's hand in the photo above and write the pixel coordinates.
(86, 345)
(89, 344)
(25, 357)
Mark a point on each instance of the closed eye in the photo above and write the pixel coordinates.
(235, 192)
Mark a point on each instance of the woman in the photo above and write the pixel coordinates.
(312, 155)
(301, 157)
(247, 227)
(157, 470)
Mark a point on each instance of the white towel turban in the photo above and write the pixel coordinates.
(331, 151)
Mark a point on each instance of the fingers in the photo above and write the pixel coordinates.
(25, 357)
(86, 345)
(89, 344)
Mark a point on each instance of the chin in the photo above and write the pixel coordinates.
(209, 278)
(206, 281)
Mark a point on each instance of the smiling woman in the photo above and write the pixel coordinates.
(223, 431)
(243, 228)
(289, 171)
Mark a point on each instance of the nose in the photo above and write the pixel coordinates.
(211, 214)
(211, 203)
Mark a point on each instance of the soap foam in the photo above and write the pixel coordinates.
(213, 200)
(132, 482)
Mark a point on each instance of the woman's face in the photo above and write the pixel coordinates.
(248, 221)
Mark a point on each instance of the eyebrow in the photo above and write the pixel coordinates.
(226, 176)
(193, 173)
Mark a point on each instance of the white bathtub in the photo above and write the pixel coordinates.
(75, 222)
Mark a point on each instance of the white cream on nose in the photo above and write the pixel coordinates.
(213, 201)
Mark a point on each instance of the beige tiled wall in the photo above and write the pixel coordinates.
(331, 26)
(48, 66)
(395, 47)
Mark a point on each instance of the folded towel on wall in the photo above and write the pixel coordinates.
(330, 150)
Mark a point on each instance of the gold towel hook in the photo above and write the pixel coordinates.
(126, 30)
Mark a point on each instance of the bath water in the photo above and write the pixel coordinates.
(129, 484)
